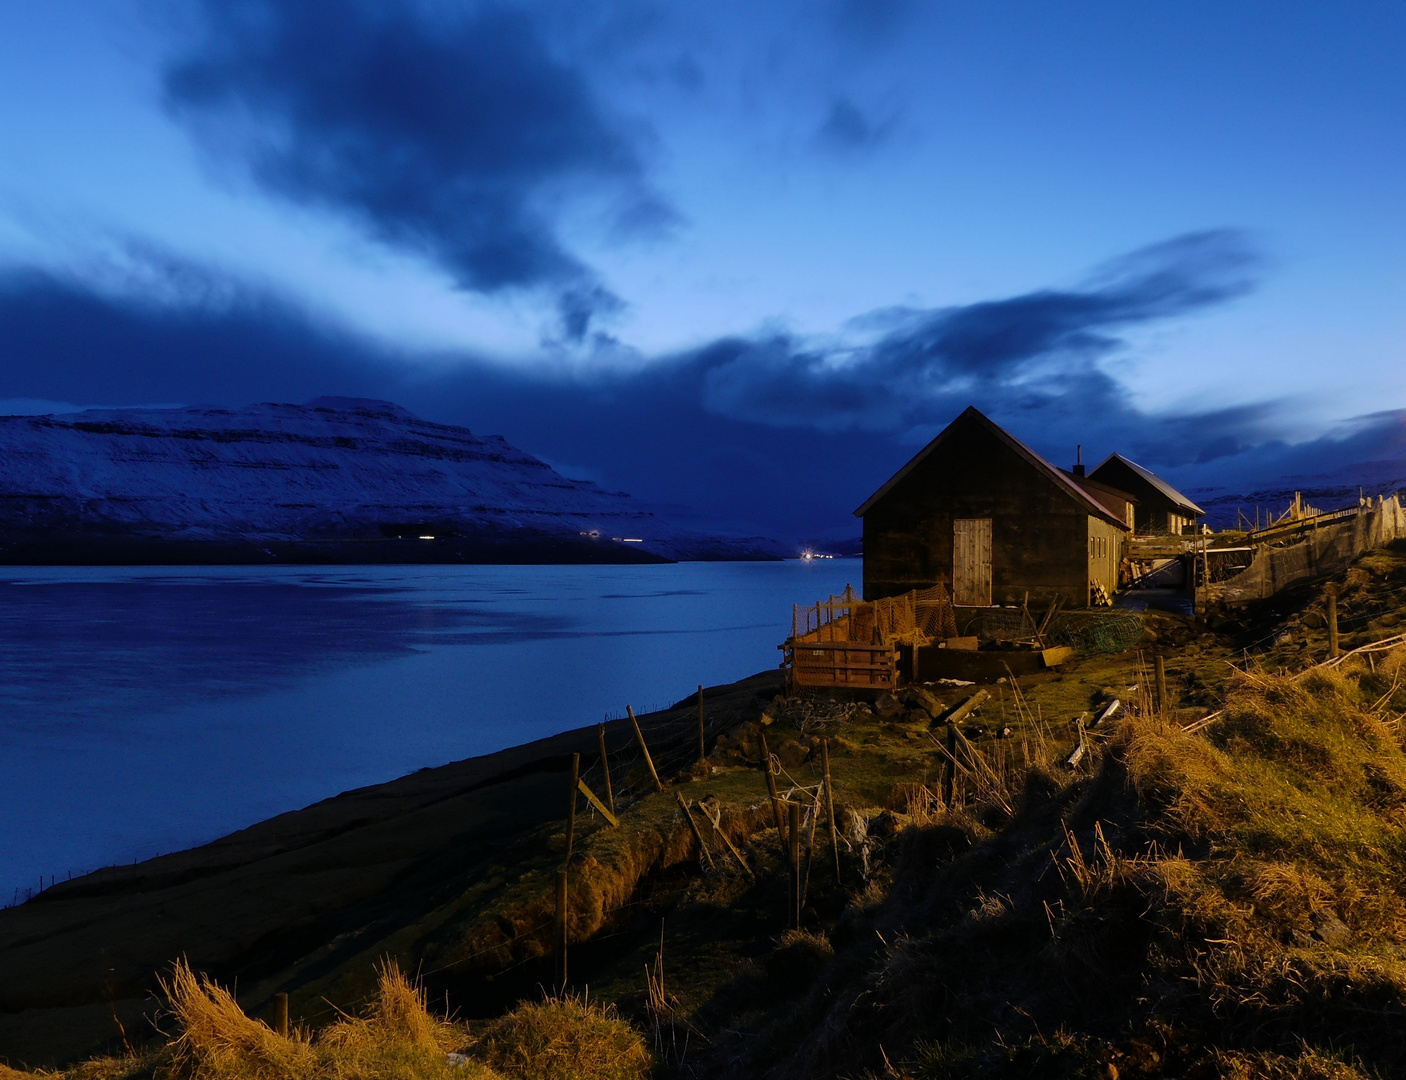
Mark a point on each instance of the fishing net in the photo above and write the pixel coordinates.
(1087, 631)
(1096, 631)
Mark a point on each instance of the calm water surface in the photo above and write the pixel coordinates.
(144, 710)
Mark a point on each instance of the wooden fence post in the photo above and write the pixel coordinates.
(280, 1014)
(794, 915)
(571, 813)
(1333, 650)
(560, 947)
(949, 771)
(1160, 666)
(702, 746)
(775, 799)
(830, 805)
(697, 832)
(605, 767)
(644, 748)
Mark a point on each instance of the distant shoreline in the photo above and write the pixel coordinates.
(494, 549)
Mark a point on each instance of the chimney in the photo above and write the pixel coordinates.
(1079, 460)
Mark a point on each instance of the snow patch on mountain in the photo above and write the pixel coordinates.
(331, 469)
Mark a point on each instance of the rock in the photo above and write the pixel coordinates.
(888, 824)
(888, 707)
(919, 716)
(792, 753)
(852, 823)
(925, 700)
(1329, 929)
(740, 744)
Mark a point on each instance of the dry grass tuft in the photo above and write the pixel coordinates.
(218, 1040)
(1310, 1065)
(397, 1039)
(566, 1038)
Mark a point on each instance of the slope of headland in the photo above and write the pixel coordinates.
(334, 480)
(1192, 897)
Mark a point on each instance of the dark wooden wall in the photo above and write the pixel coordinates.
(1153, 513)
(1039, 533)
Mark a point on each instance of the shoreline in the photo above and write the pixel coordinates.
(271, 896)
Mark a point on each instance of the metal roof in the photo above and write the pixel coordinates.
(1180, 500)
(972, 414)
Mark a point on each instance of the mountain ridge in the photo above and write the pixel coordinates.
(331, 480)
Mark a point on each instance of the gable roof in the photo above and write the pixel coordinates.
(1180, 500)
(971, 414)
(1112, 499)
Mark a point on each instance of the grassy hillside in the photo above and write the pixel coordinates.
(1227, 902)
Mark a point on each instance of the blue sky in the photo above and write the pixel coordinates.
(685, 249)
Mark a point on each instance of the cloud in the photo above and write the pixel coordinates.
(770, 432)
(848, 129)
(191, 335)
(459, 136)
(1034, 350)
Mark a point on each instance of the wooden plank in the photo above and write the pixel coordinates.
(644, 747)
(560, 935)
(697, 833)
(591, 798)
(971, 562)
(605, 767)
(571, 814)
(1057, 655)
(830, 806)
(716, 823)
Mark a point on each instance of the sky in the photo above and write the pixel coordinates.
(738, 259)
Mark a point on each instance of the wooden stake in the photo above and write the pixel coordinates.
(280, 1014)
(716, 823)
(702, 747)
(1161, 668)
(794, 913)
(571, 813)
(830, 806)
(966, 708)
(561, 930)
(775, 799)
(810, 847)
(605, 767)
(949, 774)
(697, 832)
(644, 748)
(1332, 621)
(585, 790)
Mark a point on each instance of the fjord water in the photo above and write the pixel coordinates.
(145, 710)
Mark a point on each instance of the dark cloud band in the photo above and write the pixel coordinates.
(455, 135)
(761, 431)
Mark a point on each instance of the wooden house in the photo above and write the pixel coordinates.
(979, 508)
(1161, 508)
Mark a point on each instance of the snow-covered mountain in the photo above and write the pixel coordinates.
(336, 479)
